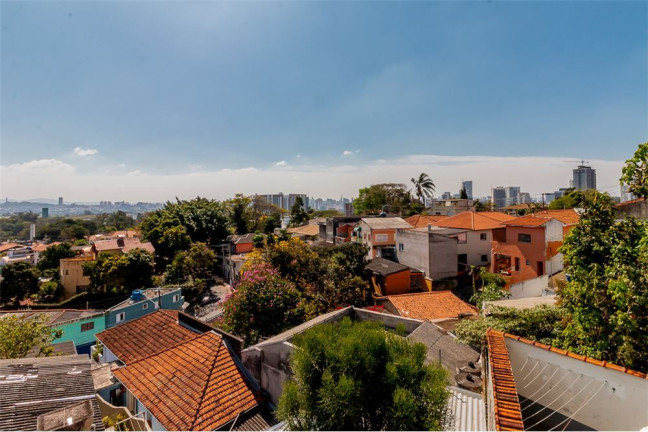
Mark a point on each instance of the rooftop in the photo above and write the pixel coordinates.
(386, 223)
(307, 230)
(422, 221)
(567, 217)
(35, 386)
(149, 293)
(434, 305)
(55, 317)
(203, 387)
(6, 246)
(145, 336)
(476, 221)
(385, 267)
(123, 244)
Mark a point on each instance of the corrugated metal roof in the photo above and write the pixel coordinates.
(466, 410)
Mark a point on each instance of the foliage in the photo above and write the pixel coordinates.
(482, 206)
(239, 213)
(606, 298)
(117, 422)
(314, 214)
(51, 257)
(108, 222)
(262, 304)
(19, 280)
(19, 335)
(120, 273)
(462, 193)
(372, 199)
(98, 351)
(298, 215)
(175, 226)
(257, 240)
(423, 186)
(66, 229)
(264, 216)
(635, 172)
(16, 226)
(572, 199)
(357, 376)
(196, 264)
(50, 291)
(492, 287)
(541, 323)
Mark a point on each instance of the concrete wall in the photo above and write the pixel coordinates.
(155, 424)
(435, 255)
(474, 247)
(636, 209)
(138, 310)
(270, 366)
(71, 272)
(529, 288)
(620, 404)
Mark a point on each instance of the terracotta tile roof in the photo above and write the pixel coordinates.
(386, 223)
(422, 221)
(128, 245)
(575, 356)
(630, 202)
(145, 336)
(567, 216)
(431, 305)
(307, 230)
(476, 221)
(506, 404)
(6, 246)
(528, 221)
(40, 247)
(203, 389)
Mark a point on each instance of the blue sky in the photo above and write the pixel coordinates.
(286, 88)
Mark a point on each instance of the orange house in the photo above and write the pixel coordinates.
(528, 247)
(389, 277)
(242, 244)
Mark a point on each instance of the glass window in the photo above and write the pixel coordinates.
(145, 306)
(401, 247)
(120, 317)
(484, 258)
(524, 238)
(482, 236)
(381, 237)
(87, 326)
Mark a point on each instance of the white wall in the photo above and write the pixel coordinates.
(475, 248)
(108, 356)
(529, 288)
(155, 424)
(620, 404)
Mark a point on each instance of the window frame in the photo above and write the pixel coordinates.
(121, 316)
(483, 236)
(524, 236)
(381, 237)
(87, 326)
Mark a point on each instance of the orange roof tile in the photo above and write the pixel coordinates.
(193, 386)
(528, 221)
(6, 246)
(431, 305)
(475, 221)
(636, 200)
(506, 404)
(576, 356)
(40, 247)
(422, 221)
(145, 336)
(128, 245)
(567, 216)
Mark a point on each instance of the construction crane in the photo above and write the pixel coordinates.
(582, 162)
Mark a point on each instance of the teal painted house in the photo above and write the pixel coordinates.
(143, 302)
(78, 326)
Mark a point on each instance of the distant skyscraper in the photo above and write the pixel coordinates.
(446, 195)
(499, 197)
(512, 195)
(584, 178)
(60, 200)
(467, 185)
(45, 212)
(525, 198)
(348, 209)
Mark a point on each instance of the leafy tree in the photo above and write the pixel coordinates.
(121, 272)
(541, 323)
(51, 257)
(463, 194)
(118, 220)
(257, 239)
(49, 291)
(262, 304)
(197, 265)
(572, 199)
(635, 172)
(19, 335)
(19, 280)
(239, 213)
(357, 376)
(423, 187)
(298, 215)
(265, 216)
(270, 223)
(371, 200)
(492, 287)
(606, 299)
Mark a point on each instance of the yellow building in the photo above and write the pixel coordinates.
(72, 277)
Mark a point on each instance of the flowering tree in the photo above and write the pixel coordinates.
(262, 304)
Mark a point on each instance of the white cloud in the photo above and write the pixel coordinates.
(298, 156)
(50, 177)
(347, 153)
(85, 152)
(282, 163)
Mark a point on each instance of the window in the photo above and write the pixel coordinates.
(482, 236)
(401, 247)
(484, 258)
(67, 272)
(176, 298)
(381, 237)
(528, 262)
(462, 238)
(145, 306)
(517, 264)
(524, 238)
(87, 326)
(120, 317)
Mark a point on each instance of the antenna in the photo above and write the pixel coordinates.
(582, 162)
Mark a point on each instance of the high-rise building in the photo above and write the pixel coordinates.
(512, 195)
(60, 200)
(446, 195)
(525, 198)
(584, 178)
(348, 209)
(468, 187)
(45, 212)
(499, 197)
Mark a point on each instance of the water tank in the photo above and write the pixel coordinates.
(137, 295)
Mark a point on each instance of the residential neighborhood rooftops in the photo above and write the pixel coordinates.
(422, 221)
(434, 305)
(145, 336)
(386, 223)
(123, 244)
(7, 246)
(475, 221)
(243, 238)
(385, 267)
(149, 293)
(40, 247)
(32, 387)
(528, 221)
(203, 387)
(54, 317)
(306, 230)
(567, 216)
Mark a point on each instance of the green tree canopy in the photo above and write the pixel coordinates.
(357, 376)
(121, 272)
(239, 213)
(196, 265)
(51, 257)
(606, 299)
(372, 199)
(19, 335)
(19, 280)
(298, 215)
(635, 172)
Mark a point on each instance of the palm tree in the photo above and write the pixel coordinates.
(423, 186)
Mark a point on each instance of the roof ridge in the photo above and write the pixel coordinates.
(136, 319)
(169, 348)
(596, 362)
(204, 390)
